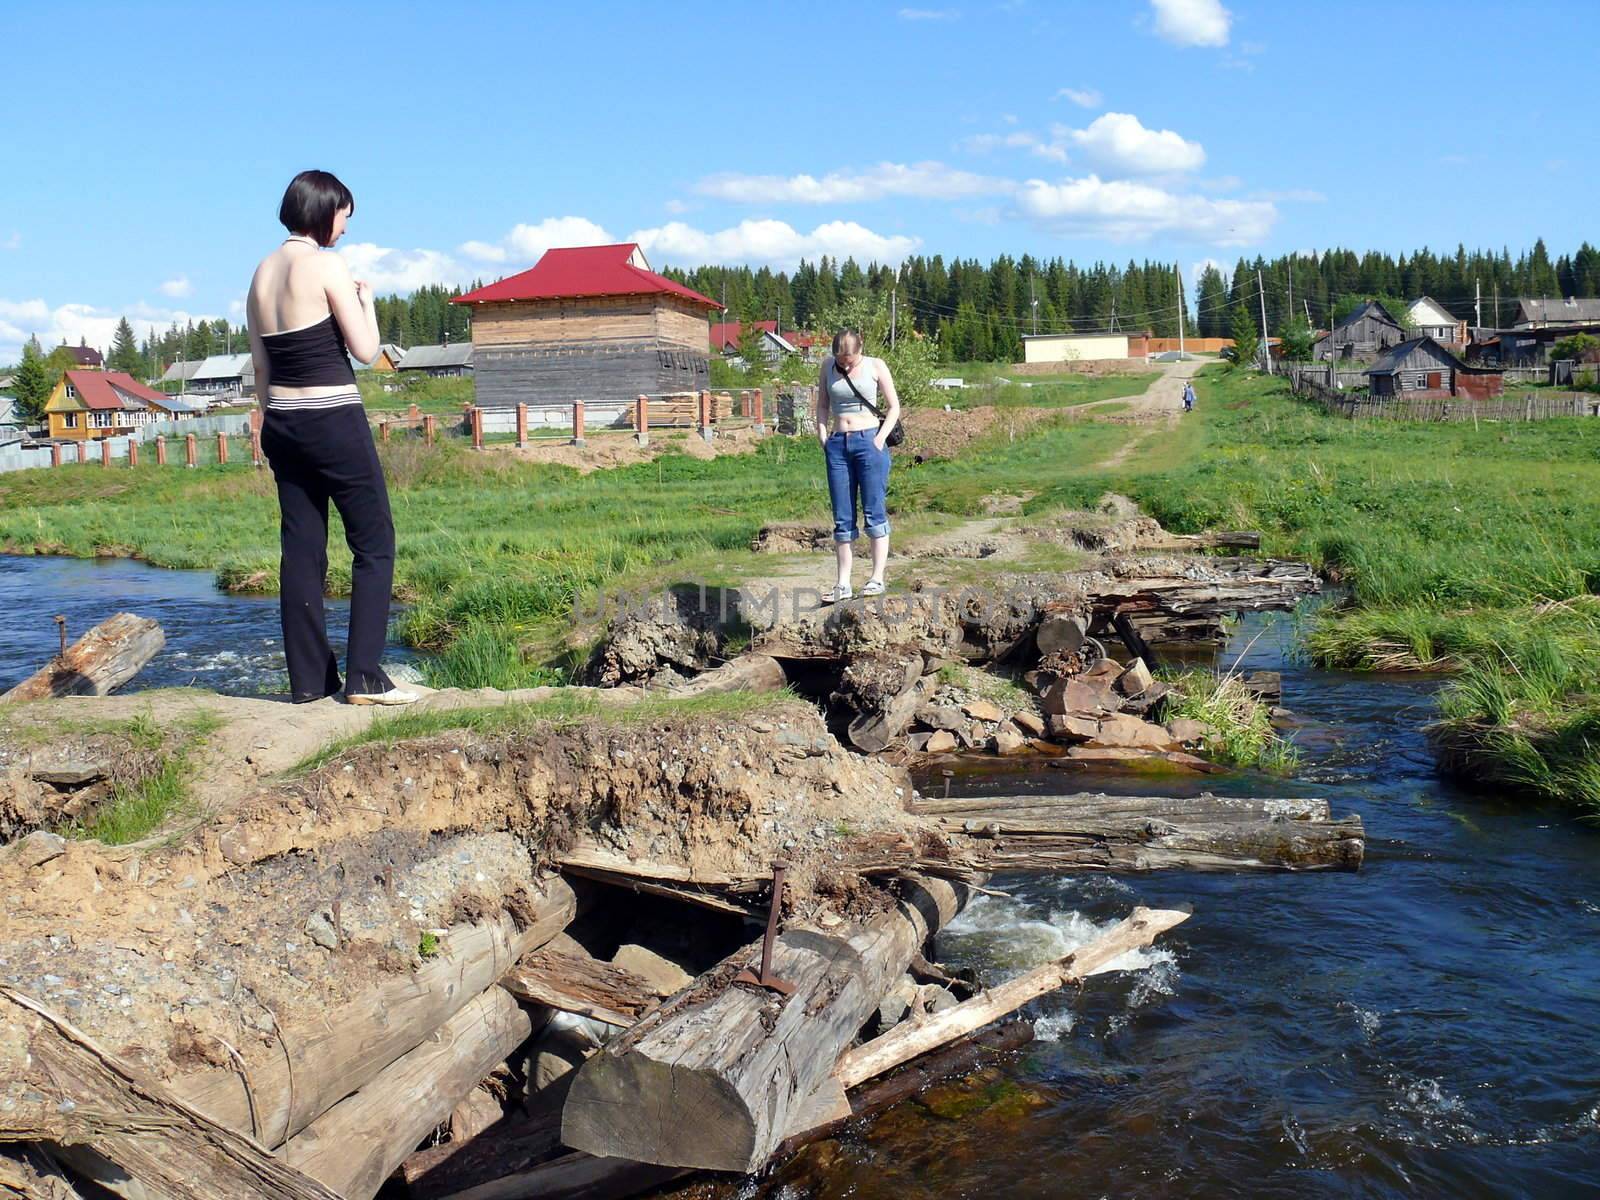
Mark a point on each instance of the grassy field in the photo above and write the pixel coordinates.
(995, 383)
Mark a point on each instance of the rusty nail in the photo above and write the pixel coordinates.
(948, 776)
(766, 979)
(61, 628)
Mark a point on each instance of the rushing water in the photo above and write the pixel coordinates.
(226, 643)
(1427, 1026)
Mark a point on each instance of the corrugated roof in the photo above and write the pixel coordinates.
(1545, 311)
(422, 357)
(1388, 362)
(112, 390)
(178, 372)
(1363, 308)
(222, 366)
(576, 271)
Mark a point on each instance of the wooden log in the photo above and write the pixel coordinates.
(29, 1173)
(686, 893)
(324, 1059)
(1141, 833)
(747, 673)
(97, 1100)
(357, 1144)
(98, 663)
(1217, 587)
(579, 984)
(883, 690)
(912, 1038)
(713, 1078)
(506, 1149)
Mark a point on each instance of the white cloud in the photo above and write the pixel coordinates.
(1191, 22)
(525, 243)
(177, 288)
(675, 206)
(74, 323)
(928, 14)
(772, 243)
(1082, 97)
(14, 242)
(1125, 211)
(1119, 141)
(391, 270)
(923, 180)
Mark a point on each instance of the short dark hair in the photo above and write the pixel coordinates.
(838, 339)
(310, 202)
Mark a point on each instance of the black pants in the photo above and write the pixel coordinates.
(316, 457)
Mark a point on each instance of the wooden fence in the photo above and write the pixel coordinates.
(1359, 406)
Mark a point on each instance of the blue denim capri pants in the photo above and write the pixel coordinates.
(857, 471)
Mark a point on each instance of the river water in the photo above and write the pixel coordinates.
(226, 643)
(1427, 1026)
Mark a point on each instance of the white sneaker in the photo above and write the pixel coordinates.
(837, 593)
(393, 698)
(873, 587)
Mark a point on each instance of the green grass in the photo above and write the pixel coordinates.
(137, 809)
(1242, 733)
(1046, 391)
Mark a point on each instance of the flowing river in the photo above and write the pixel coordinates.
(1427, 1026)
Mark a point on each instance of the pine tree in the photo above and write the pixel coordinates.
(1246, 341)
(125, 350)
(32, 384)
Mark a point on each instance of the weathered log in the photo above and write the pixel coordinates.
(913, 1038)
(1142, 833)
(29, 1173)
(507, 1148)
(748, 673)
(98, 663)
(1221, 539)
(1218, 587)
(162, 1144)
(325, 1059)
(357, 1144)
(695, 894)
(579, 984)
(883, 691)
(713, 1080)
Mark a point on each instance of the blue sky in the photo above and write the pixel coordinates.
(148, 145)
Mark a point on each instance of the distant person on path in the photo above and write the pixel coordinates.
(856, 396)
(306, 317)
(1188, 396)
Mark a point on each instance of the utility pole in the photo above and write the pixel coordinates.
(1291, 284)
(894, 311)
(1266, 344)
(1477, 303)
(1033, 303)
(1177, 270)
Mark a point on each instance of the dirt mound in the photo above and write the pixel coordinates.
(944, 433)
(792, 538)
(605, 450)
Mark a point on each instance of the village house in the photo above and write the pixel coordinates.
(387, 362)
(1536, 325)
(181, 372)
(90, 404)
(438, 362)
(224, 375)
(1428, 318)
(1075, 347)
(10, 415)
(1423, 368)
(727, 336)
(85, 356)
(1365, 333)
(591, 323)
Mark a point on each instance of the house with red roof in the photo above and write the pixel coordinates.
(776, 342)
(591, 323)
(97, 404)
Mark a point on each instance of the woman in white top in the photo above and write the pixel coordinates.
(854, 443)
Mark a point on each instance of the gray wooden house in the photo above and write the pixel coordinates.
(440, 362)
(590, 323)
(1421, 367)
(1364, 334)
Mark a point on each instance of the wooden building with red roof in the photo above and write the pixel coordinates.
(96, 404)
(591, 323)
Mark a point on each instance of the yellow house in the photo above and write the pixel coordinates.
(388, 359)
(96, 404)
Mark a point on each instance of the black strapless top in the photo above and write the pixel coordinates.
(312, 356)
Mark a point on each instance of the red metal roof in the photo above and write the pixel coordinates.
(726, 333)
(95, 388)
(584, 271)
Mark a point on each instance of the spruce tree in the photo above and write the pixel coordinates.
(125, 350)
(32, 384)
(1246, 341)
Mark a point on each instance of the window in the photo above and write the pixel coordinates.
(72, 392)
(69, 421)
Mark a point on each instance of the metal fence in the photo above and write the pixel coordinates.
(19, 458)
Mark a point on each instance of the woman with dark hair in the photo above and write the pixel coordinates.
(856, 394)
(306, 317)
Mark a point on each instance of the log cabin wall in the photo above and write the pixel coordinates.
(597, 350)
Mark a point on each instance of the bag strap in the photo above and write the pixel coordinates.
(845, 375)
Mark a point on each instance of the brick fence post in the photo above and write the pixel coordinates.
(133, 452)
(83, 451)
(55, 454)
(413, 413)
(105, 452)
(383, 432)
(522, 427)
(706, 432)
(477, 427)
(577, 423)
(760, 412)
(222, 449)
(191, 458)
(641, 420)
(430, 428)
(161, 449)
(255, 447)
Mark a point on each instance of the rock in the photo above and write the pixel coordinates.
(970, 735)
(1060, 633)
(1123, 756)
(319, 928)
(983, 710)
(918, 741)
(39, 847)
(1148, 699)
(1264, 685)
(1186, 729)
(1007, 740)
(69, 774)
(1073, 726)
(1030, 723)
(1135, 679)
(940, 716)
(1076, 696)
(935, 998)
(894, 1007)
(1131, 732)
(940, 742)
(1040, 746)
(474, 1114)
(664, 976)
(1106, 669)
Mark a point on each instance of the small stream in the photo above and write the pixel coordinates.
(226, 643)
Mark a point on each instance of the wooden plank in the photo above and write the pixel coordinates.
(320, 1060)
(93, 1097)
(358, 1143)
